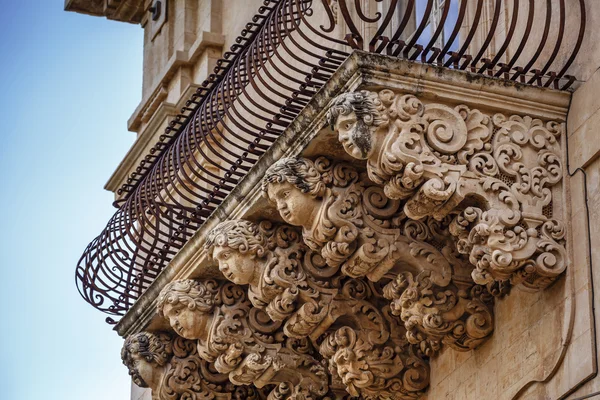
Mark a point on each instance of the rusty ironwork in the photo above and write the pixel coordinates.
(285, 54)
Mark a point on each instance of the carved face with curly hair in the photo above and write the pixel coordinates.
(188, 306)
(353, 116)
(145, 354)
(295, 186)
(236, 245)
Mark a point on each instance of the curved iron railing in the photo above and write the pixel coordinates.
(285, 54)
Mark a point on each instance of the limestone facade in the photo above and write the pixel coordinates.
(420, 233)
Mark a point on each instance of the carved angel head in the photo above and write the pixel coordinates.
(145, 354)
(188, 305)
(295, 186)
(237, 245)
(354, 116)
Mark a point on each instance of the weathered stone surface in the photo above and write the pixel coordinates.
(239, 340)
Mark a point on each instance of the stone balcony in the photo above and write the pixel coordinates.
(406, 226)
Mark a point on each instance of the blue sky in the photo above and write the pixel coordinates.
(69, 83)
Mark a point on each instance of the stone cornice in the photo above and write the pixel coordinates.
(131, 11)
(358, 71)
(160, 111)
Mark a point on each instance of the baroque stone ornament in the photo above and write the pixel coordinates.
(377, 361)
(286, 279)
(349, 221)
(494, 174)
(241, 340)
(357, 228)
(458, 315)
(171, 367)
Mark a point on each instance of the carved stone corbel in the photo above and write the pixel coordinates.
(349, 221)
(286, 279)
(368, 350)
(497, 173)
(171, 367)
(375, 361)
(352, 224)
(239, 339)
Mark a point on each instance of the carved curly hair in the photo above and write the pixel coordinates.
(366, 105)
(193, 294)
(298, 171)
(243, 236)
(156, 349)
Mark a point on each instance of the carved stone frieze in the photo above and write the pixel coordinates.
(241, 340)
(171, 367)
(495, 174)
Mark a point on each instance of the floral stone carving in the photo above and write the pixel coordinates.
(171, 367)
(495, 174)
(240, 339)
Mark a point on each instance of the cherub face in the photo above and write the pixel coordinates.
(142, 371)
(237, 267)
(189, 324)
(294, 206)
(354, 135)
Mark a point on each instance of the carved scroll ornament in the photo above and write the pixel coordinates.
(494, 174)
(349, 221)
(287, 280)
(377, 361)
(239, 339)
(372, 272)
(353, 225)
(171, 367)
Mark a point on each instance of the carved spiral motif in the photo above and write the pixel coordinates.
(447, 132)
(378, 205)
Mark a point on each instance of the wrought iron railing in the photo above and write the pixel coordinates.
(285, 54)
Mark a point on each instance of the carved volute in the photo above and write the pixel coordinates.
(239, 339)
